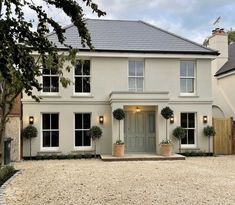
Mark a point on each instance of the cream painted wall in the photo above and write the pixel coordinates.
(110, 74)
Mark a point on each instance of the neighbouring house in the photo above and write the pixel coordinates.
(13, 128)
(134, 65)
(223, 71)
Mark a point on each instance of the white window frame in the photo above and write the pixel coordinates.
(81, 148)
(81, 76)
(49, 148)
(136, 60)
(195, 130)
(189, 77)
(50, 76)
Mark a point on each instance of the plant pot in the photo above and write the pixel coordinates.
(166, 149)
(118, 150)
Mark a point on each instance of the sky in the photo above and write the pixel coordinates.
(192, 19)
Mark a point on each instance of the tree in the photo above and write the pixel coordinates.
(166, 113)
(30, 132)
(19, 69)
(119, 115)
(209, 131)
(231, 36)
(179, 133)
(95, 134)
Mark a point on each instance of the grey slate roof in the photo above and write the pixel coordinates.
(230, 64)
(130, 36)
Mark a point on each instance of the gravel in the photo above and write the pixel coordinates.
(209, 180)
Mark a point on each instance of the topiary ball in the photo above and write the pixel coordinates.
(119, 114)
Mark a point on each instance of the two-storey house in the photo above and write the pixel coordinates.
(137, 67)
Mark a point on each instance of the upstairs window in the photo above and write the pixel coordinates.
(50, 80)
(187, 77)
(136, 75)
(82, 76)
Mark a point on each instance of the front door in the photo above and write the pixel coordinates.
(140, 132)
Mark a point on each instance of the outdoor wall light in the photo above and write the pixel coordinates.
(205, 119)
(31, 120)
(172, 119)
(101, 119)
(137, 109)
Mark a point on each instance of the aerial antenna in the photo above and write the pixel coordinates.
(217, 21)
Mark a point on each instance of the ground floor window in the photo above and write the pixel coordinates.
(82, 126)
(188, 123)
(50, 130)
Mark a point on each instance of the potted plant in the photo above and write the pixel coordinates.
(209, 131)
(95, 134)
(30, 132)
(119, 115)
(165, 145)
(179, 133)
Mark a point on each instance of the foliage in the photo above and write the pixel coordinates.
(165, 141)
(179, 132)
(29, 132)
(6, 172)
(119, 114)
(95, 132)
(119, 142)
(166, 112)
(209, 131)
(231, 36)
(25, 51)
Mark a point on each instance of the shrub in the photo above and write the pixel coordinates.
(166, 113)
(119, 115)
(209, 131)
(6, 172)
(179, 133)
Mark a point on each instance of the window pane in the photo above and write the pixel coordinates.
(46, 139)
(45, 71)
(46, 121)
(132, 83)
(86, 85)
(191, 120)
(190, 85)
(78, 85)
(54, 121)
(87, 139)
(183, 68)
(139, 68)
(190, 69)
(131, 68)
(54, 84)
(184, 120)
(86, 67)
(191, 137)
(53, 71)
(87, 121)
(46, 84)
(78, 121)
(139, 83)
(78, 138)
(183, 85)
(184, 140)
(55, 138)
(78, 68)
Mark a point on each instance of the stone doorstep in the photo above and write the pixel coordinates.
(142, 157)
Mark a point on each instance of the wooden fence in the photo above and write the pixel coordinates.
(224, 139)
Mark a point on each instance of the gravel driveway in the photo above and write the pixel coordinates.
(208, 180)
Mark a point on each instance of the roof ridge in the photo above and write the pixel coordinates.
(185, 39)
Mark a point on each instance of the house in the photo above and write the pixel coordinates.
(135, 66)
(223, 71)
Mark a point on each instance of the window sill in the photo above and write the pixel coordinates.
(188, 96)
(82, 95)
(50, 95)
(190, 148)
(49, 149)
(82, 149)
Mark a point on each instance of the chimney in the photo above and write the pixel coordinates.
(219, 41)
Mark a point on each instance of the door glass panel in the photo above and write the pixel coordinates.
(151, 123)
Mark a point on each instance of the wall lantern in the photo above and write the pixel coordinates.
(172, 119)
(205, 119)
(101, 119)
(137, 109)
(31, 120)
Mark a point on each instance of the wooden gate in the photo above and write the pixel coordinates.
(223, 142)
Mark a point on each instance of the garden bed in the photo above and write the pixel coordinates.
(6, 172)
(197, 154)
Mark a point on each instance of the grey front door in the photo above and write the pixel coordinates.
(140, 132)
